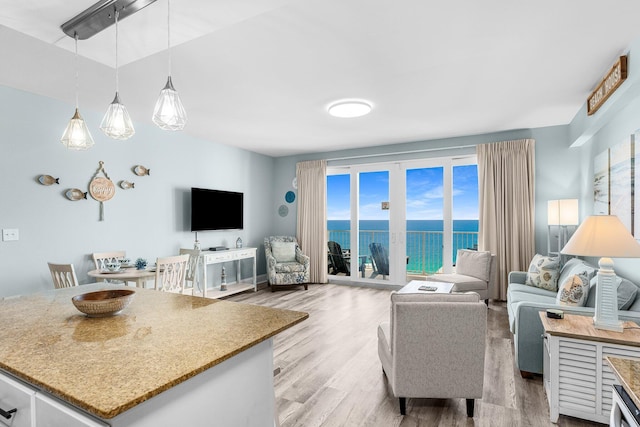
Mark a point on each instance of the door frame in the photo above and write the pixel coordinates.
(397, 216)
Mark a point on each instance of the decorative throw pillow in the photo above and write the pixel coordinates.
(574, 291)
(625, 290)
(543, 272)
(284, 251)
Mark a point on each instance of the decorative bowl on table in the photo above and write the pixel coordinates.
(103, 303)
(113, 266)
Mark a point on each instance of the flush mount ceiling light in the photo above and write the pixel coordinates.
(349, 108)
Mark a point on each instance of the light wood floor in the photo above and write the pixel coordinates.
(331, 375)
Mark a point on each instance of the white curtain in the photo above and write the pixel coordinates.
(506, 175)
(312, 216)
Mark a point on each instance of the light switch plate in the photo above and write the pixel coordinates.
(9, 234)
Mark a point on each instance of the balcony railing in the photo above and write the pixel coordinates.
(424, 248)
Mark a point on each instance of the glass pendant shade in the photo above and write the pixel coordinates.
(169, 114)
(77, 136)
(116, 123)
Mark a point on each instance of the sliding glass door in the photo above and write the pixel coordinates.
(394, 222)
(425, 220)
(373, 219)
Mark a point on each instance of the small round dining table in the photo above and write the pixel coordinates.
(140, 277)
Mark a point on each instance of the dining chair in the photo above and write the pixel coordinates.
(171, 273)
(192, 277)
(63, 275)
(101, 258)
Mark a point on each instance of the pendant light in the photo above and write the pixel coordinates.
(169, 114)
(116, 123)
(77, 136)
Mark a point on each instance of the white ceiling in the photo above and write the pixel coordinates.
(259, 74)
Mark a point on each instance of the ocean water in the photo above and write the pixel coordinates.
(423, 239)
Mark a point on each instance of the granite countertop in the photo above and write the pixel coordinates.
(628, 372)
(108, 365)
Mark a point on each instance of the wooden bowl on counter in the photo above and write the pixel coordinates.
(103, 303)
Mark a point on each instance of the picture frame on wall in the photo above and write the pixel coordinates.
(601, 184)
(621, 185)
(614, 183)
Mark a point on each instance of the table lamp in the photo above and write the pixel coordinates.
(606, 237)
(562, 214)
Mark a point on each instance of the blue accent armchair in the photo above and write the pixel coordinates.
(286, 264)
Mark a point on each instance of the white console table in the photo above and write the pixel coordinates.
(220, 257)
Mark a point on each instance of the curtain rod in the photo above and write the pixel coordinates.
(424, 150)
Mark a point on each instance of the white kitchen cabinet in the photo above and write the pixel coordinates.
(51, 413)
(36, 409)
(18, 397)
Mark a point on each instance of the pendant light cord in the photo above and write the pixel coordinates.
(116, 15)
(169, 33)
(76, 66)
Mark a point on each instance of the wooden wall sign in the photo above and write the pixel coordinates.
(101, 188)
(614, 78)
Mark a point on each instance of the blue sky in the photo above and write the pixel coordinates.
(424, 194)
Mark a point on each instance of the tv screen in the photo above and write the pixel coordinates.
(216, 210)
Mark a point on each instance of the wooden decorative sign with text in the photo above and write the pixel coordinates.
(614, 78)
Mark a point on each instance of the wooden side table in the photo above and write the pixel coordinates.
(577, 378)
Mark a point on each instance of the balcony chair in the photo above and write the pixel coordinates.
(433, 347)
(379, 260)
(286, 264)
(475, 272)
(337, 260)
(63, 275)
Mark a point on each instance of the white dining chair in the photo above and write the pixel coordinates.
(192, 278)
(63, 275)
(102, 258)
(171, 273)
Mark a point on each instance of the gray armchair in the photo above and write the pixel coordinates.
(433, 346)
(286, 264)
(475, 272)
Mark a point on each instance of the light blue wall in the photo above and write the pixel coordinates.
(152, 220)
(612, 124)
(555, 176)
(148, 221)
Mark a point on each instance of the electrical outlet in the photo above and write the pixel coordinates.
(10, 234)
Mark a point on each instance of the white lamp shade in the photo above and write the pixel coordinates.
(568, 212)
(602, 236)
(553, 212)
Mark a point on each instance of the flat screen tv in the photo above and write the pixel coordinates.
(216, 210)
